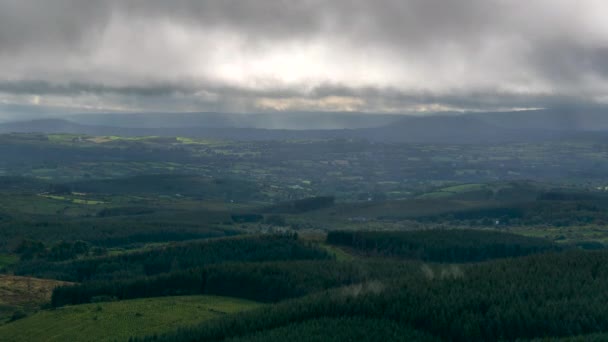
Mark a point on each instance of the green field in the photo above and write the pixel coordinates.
(566, 235)
(120, 320)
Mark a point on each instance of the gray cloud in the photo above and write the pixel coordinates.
(229, 55)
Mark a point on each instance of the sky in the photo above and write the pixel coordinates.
(381, 56)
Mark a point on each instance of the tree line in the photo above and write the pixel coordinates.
(455, 245)
(260, 281)
(175, 257)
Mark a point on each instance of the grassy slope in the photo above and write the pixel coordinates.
(120, 320)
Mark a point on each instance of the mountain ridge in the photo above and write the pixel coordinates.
(442, 128)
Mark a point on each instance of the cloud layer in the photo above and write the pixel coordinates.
(353, 55)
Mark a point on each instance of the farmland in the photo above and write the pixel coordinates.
(348, 169)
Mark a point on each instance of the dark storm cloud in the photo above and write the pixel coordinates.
(570, 61)
(69, 23)
(73, 88)
(50, 24)
(386, 55)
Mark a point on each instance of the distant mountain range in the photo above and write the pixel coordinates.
(442, 128)
(290, 120)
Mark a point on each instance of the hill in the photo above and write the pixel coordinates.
(519, 126)
(290, 121)
(580, 118)
(450, 129)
